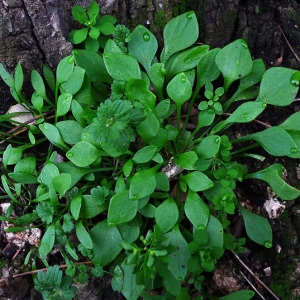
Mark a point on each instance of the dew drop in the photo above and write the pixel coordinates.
(146, 37)
(141, 26)
(106, 55)
(36, 94)
(268, 244)
(294, 150)
(134, 197)
(211, 185)
(189, 15)
(69, 154)
(295, 82)
(217, 140)
(264, 105)
(183, 79)
(111, 224)
(71, 60)
(211, 111)
(201, 226)
(244, 44)
(180, 279)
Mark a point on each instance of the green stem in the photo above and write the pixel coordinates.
(244, 149)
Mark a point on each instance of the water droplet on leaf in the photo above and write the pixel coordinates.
(211, 111)
(69, 154)
(36, 94)
(189, 15)
(295, 82)
(264, 105)
(201, 226)
(183, 79)
(71, 60)
(295, 79)
(217, 140)
(146, 37)
(111, 224)
(134, 197)
(294, 150)
(106, 55)
(141, 26)
(268, 244)
(211, 185)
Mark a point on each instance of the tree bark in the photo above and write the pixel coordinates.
(34, 32)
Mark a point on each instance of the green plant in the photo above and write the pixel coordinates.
(148, 199)
(52, 285)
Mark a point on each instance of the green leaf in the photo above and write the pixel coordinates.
(241, 295)
(106, 242)
(83, 154)
(53, 135)
(83, 236)
(183, 28)
(137, 89)
(186, 160)
(6, 77)
(74, 82)
(187, 60)
(178, 259)
(144, 155)
(246, 82)
(275, 140)
(292, 122)
(258, 229)
(26, 165)
(121, 209)
(45, 211)
(75, 206)
(79, 14)
(106, 28)
(216, 233)
(209, 146)
(157, 76)
(207, 69)
(122, 66)
(64, 69)
(196, 210)
(63, 104)
(234, 61)
(62, 183)
(276, 87)
(38, 84)
(272, 175)
(148, 128)
(23, 178)
(93, 10)
(197, 181)
(48, 172)
(179, 89)
(49, 77)
(130, 288)
(142, 184)
(143, 46)
(11, 155)
(19, 78)
(166, 215)
(246, 112)
(93, 65)
(70, 131)
(47, 241)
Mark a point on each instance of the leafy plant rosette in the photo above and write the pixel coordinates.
(148, 199)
